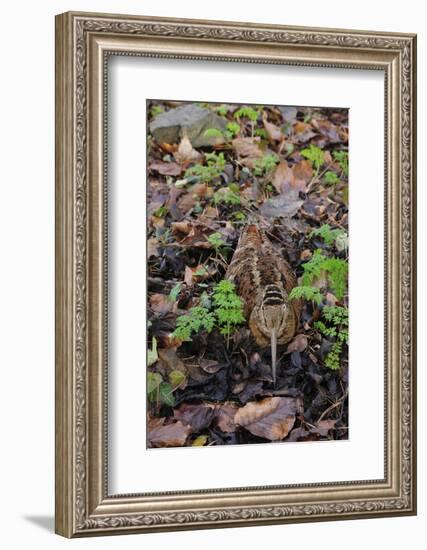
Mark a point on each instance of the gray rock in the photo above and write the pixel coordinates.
(191, 119)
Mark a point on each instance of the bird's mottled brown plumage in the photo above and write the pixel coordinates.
(264, 280)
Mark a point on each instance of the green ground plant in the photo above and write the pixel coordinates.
(337, 237)
(215, 164)
(334, 269)
(342, 158)
(266, 163)
(224, 311)
(309, 293)
(334, 326)
(226, 196)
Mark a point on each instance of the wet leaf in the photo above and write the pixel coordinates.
(160, 303)
(247, 148)
(210, 365)
(224, 417)
(327, 129)
(154, 380)
(303, 172)
(299, 343)
(167, 435)
(177, 379)
(170, 359)
(285, 205)
(198, 416)
(166, 394)
(303, 132)
(274, 133)
(250, 390)
(289, 114)
(283, 177)
(271, 418)
(166, 168)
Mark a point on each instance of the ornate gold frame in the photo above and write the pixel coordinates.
(83, 42)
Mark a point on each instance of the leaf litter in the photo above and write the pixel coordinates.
(285, 168)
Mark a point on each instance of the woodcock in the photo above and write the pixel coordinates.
(264, 280)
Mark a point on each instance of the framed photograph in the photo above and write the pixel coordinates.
(235, 274)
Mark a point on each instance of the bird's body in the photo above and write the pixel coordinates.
(264, 280)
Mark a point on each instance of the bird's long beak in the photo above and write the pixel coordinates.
(273, 354)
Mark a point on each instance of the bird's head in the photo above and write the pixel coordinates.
(271, 314)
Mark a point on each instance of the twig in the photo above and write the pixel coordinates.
(332, 407)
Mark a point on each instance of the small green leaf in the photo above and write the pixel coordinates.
(154, 379)
(331, 178)
(176, 378)
(265, 164)
(308, 293)
(200, 441)
(342, 158)
(222, 110)
(213, 132)
(247, 112)
(233, 128)
(216, 240)
(315, 155)
(174, 293)
(166, 395)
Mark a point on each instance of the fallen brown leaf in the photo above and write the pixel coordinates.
(299, 343)
(283, 177)
(274, 133)
(152, 247)
(160, 303)
(247, 148)
(186, 153)
(285, 205)
(303, 132)
(166, 168)
(327, 129)
(198, 416)
(271, 418)
(170, 359)
(303, 172)
(224, 417)
(181, 227)
(167, 435)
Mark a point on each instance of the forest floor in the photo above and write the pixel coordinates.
(285, 169)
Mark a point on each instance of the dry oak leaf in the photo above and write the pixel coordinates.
(271, 418)
(283, 177)
(247, 148)
(152, 247)
(167, 435)
(286, 178)
(274, 132)
(303, 132)
(303, 172)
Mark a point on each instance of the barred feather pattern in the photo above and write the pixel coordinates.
(264, 280)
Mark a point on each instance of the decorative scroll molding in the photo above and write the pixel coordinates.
(84, 26)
